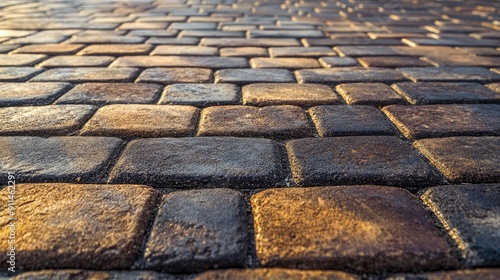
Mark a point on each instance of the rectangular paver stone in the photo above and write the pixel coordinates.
(450, 74)
(212, 62)
(175, 75)
(201, 94)
(376, 94)
(266, 94)
(247, 76)
(14, 94)
(86, 74)
(348, 75)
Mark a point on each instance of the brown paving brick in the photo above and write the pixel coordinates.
(18, 74)
(301, 52)
(14, 94)
(376, 94)
(89, 227)
(426, 121)
(118, 49)
(248, 76)
(288, 63)
(337, 61)
(243, 52)
(49, 49)
(198, 230)
(246, 121)
(436, 92)
(142, 25)
(392, 61)
(464, 159)
(482, 273)
(256, 42)
(201, 94)
(43, 120)
(450, 74)
(184, 50)
(274, 273)
(363, 228)
(353, 160)
(350, 120)
(76, 274)
(288, 94)
(181, 61)
(200, 162)
(134, 120)
(57, 159)
(348, 75)
(21, 59)
(76, 61)
(86, 74)
(175, 75)
(111, 93)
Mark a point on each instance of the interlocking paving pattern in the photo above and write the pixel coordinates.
(238, 139)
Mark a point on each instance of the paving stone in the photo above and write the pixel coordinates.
(20, 59)
(435, 93)
(350, 120)
(212, 34)
(392, 61)
(86, 74)
(153, 33)
(470, 215)
(77, 61)
(111, 93)
(483, 273)
(349, 75)
(455, 42)
(243, 52)
(198, 230)
(274, 273)
(362, 228)
(75, 274)
(463, 60)
(78, 226)
(255, 42)
(175, 75)
(200, 162)
(337, 61)
(106, 39)
(427, 121)
(288, 94)
(450, 74)
(142, 25)
(495, 87)
(193, 25)
(18, 74)
(14, 94)
(247, 76)
(43, 120)
(288, 63)
(117, 50)
(352, 160)
(184, 50)
(368, 51)
(464, 159)
(212, 62)
(49, 49)
(481, 51)
(173, 41)
(57, 159)
(376, 94)
(285, 34)
(132, 120)
(245, 121)
(201, 94)
(301, 52)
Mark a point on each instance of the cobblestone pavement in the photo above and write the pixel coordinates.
(235, 139)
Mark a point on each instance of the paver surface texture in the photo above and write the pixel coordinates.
(239, 139)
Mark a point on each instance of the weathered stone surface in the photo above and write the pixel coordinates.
(376, 94)
(173, 41)
(193, 25)
(200, 162)
(363, 228)
(86, 74)
(198, 230)
(106, 39)
(175, 75)
(267, 94)
(213, 62)
(247, 76)
(75, 274)
(14, 94)
(243, 52)
(49, 49)
(463, 60)
(77, 226)
(255, 42)
(118, 49)
(427, 121)
(57, 159)
(274, 273)
(350, 120)
(111, 93)
(142, 121)
(495, 87)
(348, 75)
(338, 61)
(245, 121)
(392, 61)
(184, 50)
(368, 51)
(288, 63)
(18, 74)
(201, 94)
(20, 59)
(212, 33)
(285, 34)
(43, 120)
(464, 159)
(301, 52)
(436, 92)
(353, 160)
(450, 74)
(470, 214)
(483, 273)
(77, 61)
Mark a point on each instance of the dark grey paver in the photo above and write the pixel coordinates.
(338, 61)
(198, 230)
(450, 74)
(75, 274)
(301, 52)
(255, 42)
(18, 74)
(14, 94)
(275, 273)
(201, 94)
(175, 75)
(376, 94)
(86, 74)
(285, 34)
(213, 62)
(348, 75)
(392, 61)
(483, 273)
(77, 61)
(49, 49)
(266, 94)
(248, 76)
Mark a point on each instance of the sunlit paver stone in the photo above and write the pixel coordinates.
(287, 63)
(13, 94)
(200, 162)
(364, 228)
(86, 74)
(266, 94)
(78, 226)
(275, 273)
(464, 159)
(198, 230)
(470, 214)
(247, 76)
(348, 75)
(350, 120)
(376, 94)
(110, 93)
(142, 121)
(184, 50)
(119, 49)
(354, 160)
(245, 121)
(20, 59)
(18, 74)
(450, 74)
(213, 62)
(337, 61)
(244, 52)
(256, 42)
(201, 94)
(77, 61)
(57, 159)
(49, 49)
(392, 61)
(427, 121)
(175, 75)
(43, 120)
